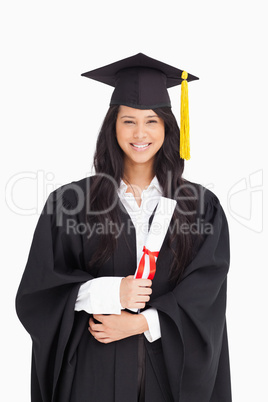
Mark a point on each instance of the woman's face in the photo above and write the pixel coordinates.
(139, 133)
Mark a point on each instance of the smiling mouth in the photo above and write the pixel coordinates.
(140, 147)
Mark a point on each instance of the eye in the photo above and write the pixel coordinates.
(128, 122)
(152, 121)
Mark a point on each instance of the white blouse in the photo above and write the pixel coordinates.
(102, 295)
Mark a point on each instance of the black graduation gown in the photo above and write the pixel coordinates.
(188, 364)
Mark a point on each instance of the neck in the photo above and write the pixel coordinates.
(140, 175)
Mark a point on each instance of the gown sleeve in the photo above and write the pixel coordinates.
(100, 296)
(192, 318)
(47, 293)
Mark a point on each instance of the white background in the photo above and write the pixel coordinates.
(50, 118)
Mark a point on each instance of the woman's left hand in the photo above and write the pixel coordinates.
(115, 327)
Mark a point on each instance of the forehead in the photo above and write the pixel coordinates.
(132, 112)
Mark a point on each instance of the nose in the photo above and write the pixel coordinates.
(139, 132)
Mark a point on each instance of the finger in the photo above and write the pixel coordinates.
(96, 334)
(100, 336)
(92, 332)
(139, 305)
(105, 340)
(144, 282)
(144, 291)
(95, 327)
(91, 322)
(98, 317)
(129, 277)
(142, 299)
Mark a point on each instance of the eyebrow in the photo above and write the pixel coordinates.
(133, 117)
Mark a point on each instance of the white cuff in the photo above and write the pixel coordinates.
(100, 296)
(154, 331)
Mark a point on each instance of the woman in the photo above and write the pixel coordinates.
(99, 332)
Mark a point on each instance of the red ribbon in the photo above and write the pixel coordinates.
(152, 255)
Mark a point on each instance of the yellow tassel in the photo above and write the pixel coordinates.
(185, 125)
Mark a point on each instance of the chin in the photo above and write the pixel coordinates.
(141, 159)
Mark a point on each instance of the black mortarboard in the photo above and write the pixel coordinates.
(141, 82)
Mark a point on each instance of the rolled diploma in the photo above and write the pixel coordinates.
(157, 232)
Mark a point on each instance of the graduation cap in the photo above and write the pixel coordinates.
(141, 82)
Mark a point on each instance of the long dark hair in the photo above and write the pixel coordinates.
(168, 167)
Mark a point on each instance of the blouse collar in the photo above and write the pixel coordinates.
(154, 184)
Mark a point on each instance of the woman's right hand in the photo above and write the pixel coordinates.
(135, 293)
